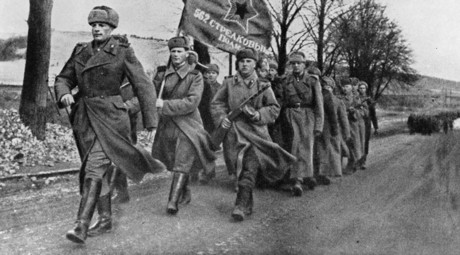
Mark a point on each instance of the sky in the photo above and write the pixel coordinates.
(430, 27)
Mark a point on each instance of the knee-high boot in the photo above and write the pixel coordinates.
(90, 195)
(186, 196)
(243, 203)
(177, 187)
(104, 221)
(120, 187)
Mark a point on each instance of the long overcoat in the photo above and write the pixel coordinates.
(99, 111)
(303, 114)
(181, 99)
(355, 113)
(369, 120)
(244, 133)
(328, 143)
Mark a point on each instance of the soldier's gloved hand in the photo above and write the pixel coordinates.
(226, 123)
(67, 100)
(252, 113)
(159, 103)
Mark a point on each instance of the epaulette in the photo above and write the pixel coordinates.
(122, 40)
(195, 72)
(80, 46)
(161, 69)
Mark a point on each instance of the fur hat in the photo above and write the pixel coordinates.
(179, 42)
(247, 53)
(346, 81)
(103, 14)
(328, 81)
(212, 67)
(297, 56)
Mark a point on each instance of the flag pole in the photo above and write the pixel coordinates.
(230, 60)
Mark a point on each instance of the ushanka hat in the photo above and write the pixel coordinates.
(179, 42)
(328, 81)
(103, 14)
(247, 53)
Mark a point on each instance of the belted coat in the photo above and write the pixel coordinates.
(244, 133)
(99, 111)
(182, 94)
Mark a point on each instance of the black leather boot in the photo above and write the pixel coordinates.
(242, 203)
(177, 187)
(121, 188)
(90, 195)
(186, 196)
(104, 221)
(297, 189)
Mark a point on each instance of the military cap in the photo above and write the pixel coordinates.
(247, 53)
(363, 83)
(212, 67)
(273, 65)
(297, 56)
(345, 81)
(179, 42)
(103, 14)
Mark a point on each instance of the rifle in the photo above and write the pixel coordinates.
(219, 133)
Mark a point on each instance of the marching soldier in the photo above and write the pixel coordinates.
(100, 118)
(369, 119)
(180, 141)
(355, 113)
(210, 89)
(247, 146)
(304, 114)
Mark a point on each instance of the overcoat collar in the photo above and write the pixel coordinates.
(90, 60)
(182, 71)
(248, 81)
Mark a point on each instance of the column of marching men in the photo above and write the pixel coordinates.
(289, 132)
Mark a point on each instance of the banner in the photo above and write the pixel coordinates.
(228, 25)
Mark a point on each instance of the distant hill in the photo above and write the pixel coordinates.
(438, 85)
(151, 53)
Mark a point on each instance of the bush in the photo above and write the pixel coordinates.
(429, 123)
(10, 46)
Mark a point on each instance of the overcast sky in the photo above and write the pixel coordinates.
(430, 27)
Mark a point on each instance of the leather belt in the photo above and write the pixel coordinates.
(298, 105)
(101, 94)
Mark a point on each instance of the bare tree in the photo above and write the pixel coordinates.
(285, 13)
(35, 85)
(373, 48)
(319, 19)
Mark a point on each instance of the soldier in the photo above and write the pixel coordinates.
(210, 88)
(247, 146)
(180, 141)
(100, 118)
(276, 129)
(329, 149)
(370, 118)
(355, 112)
(304, 114)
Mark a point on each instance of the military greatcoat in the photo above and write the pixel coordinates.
(304, 114)
(99, 111)
(183, 89)
(244, 134)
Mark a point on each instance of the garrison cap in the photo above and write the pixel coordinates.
(297, 56)
(212, 67)
(103, 14)
(179, 42)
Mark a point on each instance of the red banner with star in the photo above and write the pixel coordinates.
(228, 24)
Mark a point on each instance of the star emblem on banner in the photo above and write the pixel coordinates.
(240, 12)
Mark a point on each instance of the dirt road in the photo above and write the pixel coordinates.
(406, 202)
